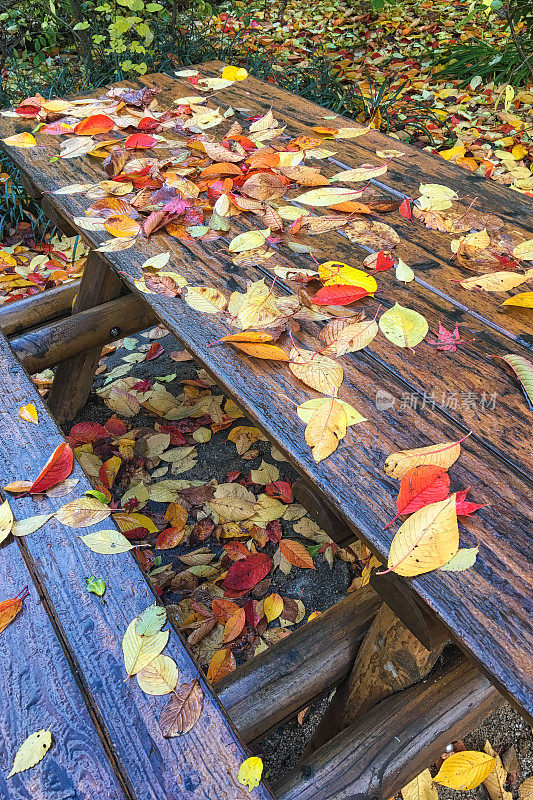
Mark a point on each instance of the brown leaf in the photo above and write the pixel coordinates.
(183, 711)
(264, 186)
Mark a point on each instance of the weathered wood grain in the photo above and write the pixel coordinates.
(39, 690)
(379, 755)
(23, 314)
(74, 335)
(287, 677)
(486, 608)
(201, 765)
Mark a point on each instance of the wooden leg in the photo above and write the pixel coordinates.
(390, 659)
(73, 378)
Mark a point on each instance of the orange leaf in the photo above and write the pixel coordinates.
(10, 608)
(222, 663)
(177, 515)
(296, 554)
(248, 336)
(260, 350)
(168, 538)
(224, 608)
(351, 206)
(108, 471)
(121, 225)
(222, 168)
(234, 626)
(139, 141)
(57, 468)
(96, 123)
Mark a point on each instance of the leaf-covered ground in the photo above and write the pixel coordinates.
(476, 125)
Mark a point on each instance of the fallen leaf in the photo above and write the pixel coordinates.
(317, 371)
(272, 606)
(425, 541)
(159, 677)
(107, 542)
(496, 281)
(465, 770)
(443, 455)
(243, 575)
(57, 468)
(9, 609)
(31, 751)
(420, 788)
(403, 326)
(24, 527)
(83, 512)
(336, 295)
(138, 650)
(523, 300)
(463, 559)
(222, 663)
(296, 554)
(420, 486)
(523, 369)
(24, 139)
(250, 772)
(183, 710)
(6, 520)
(29, 413)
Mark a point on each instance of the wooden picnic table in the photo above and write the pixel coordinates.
(405, 395)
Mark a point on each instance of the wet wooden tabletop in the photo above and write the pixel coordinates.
(411, 398)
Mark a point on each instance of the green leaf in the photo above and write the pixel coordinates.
(95, 585)
(463, 559)
(151, 620)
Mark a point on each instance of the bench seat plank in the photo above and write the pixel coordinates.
(486, 608)
(201, 765)
(38, 690)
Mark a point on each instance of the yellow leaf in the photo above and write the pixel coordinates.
(250, 240)
(403, 326)
(351, 133)
(335, 272)
(524, 300)
(524, 250)
(31, 751)
(260, 350)
(428, 539)
(121, 225)
(497, 281)
(525, 791)
(29, 413)
(82, 512)
(139, 651)
(265, 473)
(29, 525)
(364, 173)
(519, 151)
(420, 788)
(354, 337)
(317, 371)
(494, 783)
(465, 770)
(272, 606)
(250, 772)
(326, 427)
(107, 542)
(509, 97)
(405, 274)
(205, 299)
(454, 152)
(306, 410)
(328, 196)
(234, 74)
(158, 677)
(443, 455)
(523, 369)
(6, 520)
(21, 140)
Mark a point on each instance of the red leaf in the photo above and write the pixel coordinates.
(447, 340)
(86, 432)
(237, 551)
(96, 123)
(405, 208)
(384, 261)
(465, 507)
(338, 295)
(252, 617)
(116, 427)
(148, 124)
(419, 487)
(136, 533)
(57, 468)
(243, 575)
(154, 351)
(280, 490)
(139, 141)
(274, 531)
(223, 608)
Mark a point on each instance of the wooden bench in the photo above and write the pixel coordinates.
(484, 610)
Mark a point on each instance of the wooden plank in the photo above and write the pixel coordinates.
(486, 609)
(51, 344)
(395, 741)
(98, 285)
(203, 763)
(50, 304)
(289, 676)
(38, 690)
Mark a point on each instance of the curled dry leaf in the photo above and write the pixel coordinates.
(183, 711)
(523, 369)
(427, 540)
